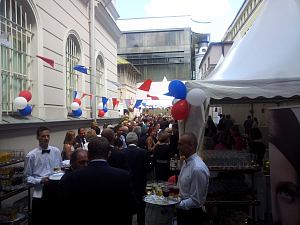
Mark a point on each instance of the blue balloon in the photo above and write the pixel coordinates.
(77, 112)
(177, 89)
(105, 109)
(26, 111)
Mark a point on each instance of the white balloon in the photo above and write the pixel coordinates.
(100, 106)
(20, 102)
(196, 97)
(175, 100)
(75, 106)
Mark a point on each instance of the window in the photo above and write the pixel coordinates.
(99, 76)
(72, 59)
(15, 58)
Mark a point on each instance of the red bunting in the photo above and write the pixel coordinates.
(115, 102)
(146, 85)
(153, 97)
(47, 60)
(83, 95)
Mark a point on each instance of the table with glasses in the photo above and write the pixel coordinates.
(161, 200)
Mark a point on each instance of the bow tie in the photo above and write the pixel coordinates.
(46, 151)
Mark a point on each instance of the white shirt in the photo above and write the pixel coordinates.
(193, 183)
(38, 165)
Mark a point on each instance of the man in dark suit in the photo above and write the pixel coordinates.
(80, 138)
(137, 162)
(91, 195)
(117, 157)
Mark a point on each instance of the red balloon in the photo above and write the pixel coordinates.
(77, 100)
(26, 94)
(101, 113)
(180, 110)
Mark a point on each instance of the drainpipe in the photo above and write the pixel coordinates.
(92, 59)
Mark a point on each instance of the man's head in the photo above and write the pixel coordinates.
(119, 130)
(79, 159)
(43, 136)
(98, 148)
(163, 137)
(81, 132)
(90, 134)
(109, 135)
(132, 138)
(187, 144)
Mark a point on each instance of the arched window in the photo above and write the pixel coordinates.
(100, 76)
(72, 59)
(17, 24)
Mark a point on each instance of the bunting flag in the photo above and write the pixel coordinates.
(138, 103)
(146, 85)
(75, 94)
(144, 104)
(104, 101)
(47, 60)
(115, 102)
(127, 102)
(81, 69)
(4, 40)
(83, 95)
(153, 97)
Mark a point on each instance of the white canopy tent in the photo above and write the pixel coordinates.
(265, 63)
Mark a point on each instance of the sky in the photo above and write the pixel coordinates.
(219, 13)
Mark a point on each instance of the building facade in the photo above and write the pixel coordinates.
(66, 33)
(214, 52)
(159, 52)
(128, 75)
(238, 28)
(243, 20)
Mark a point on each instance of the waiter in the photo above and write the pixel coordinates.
(39, 164)
(193, 182)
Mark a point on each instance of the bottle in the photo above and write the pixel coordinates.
(172, 164)
(175, 162)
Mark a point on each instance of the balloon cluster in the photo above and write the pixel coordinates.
(21, 103)
(183, 99)
(75, 106)
(180, 108)
(102, 109)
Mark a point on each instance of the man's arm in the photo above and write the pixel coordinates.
(199, 186)
(28, 171)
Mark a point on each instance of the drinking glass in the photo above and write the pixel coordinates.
(148, 190)
(165, 192)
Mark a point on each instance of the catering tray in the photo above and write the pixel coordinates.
(56, 176)
(161, 200)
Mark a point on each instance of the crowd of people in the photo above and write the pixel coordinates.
(226, 135)
(109, 169)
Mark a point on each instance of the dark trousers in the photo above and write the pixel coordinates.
(190, 217)
(38, 211)
(43, 207)
(141, 205)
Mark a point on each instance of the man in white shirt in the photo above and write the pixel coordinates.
(39, 164)
(193, 182)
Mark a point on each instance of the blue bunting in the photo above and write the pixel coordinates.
(138, 103)
(80, 68)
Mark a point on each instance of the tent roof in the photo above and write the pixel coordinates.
(265, 63)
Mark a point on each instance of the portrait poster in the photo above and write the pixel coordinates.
(284, 155)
